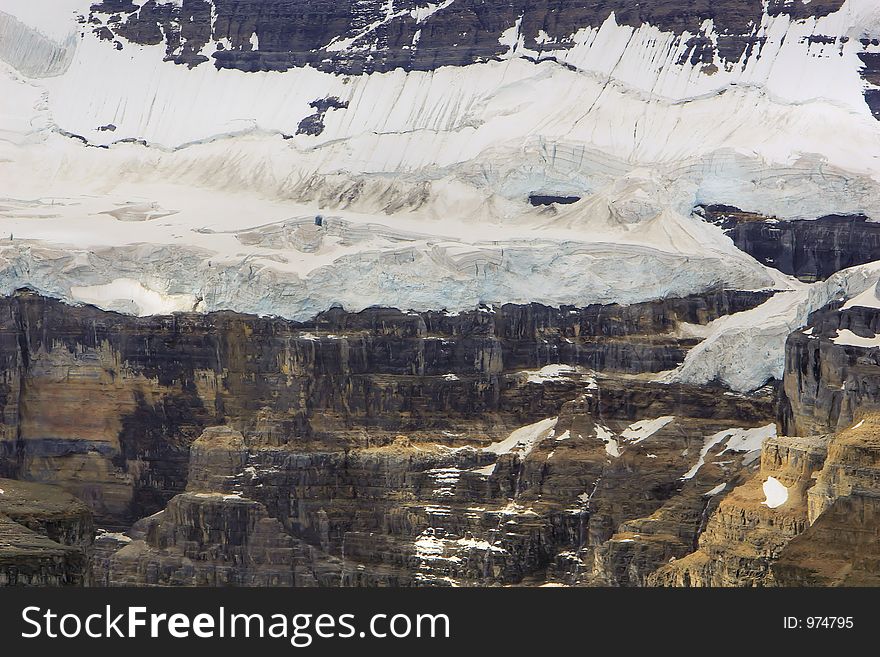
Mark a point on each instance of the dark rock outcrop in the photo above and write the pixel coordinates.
(831, 378)
(417, 512)
(153, 384)
(417, 35)
(811, 250)
(45, 536)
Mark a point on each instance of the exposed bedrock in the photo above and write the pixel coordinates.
(425, 508)
(418, 35)
(810, 249)
(151, 385)
(209, 535)
(832, 370)
(45, 536)
(809, 517)
(744, 535)
(840, 548)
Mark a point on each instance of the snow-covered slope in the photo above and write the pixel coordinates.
(145, 185)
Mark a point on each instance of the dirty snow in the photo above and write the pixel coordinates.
(715, 491)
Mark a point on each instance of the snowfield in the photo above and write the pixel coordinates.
(145, 187)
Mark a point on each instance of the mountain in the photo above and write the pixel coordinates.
(319, 233)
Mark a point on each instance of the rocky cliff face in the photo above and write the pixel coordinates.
(744, 536)
(831, 371)
(209, 535)
(388, 448)
(810, 249)
(45, 536)
(840, 546)
(154, 384)
(418, 512)
(369, 35)
(807, 518)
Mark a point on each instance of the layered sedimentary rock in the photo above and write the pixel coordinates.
(407, 449)
(750, 527)
(839, 549)
(353, 37)
(45, 536)
(832, 369)
(427, 508)
(807, 518)
(840, 546)
(153, 384)
(810, 249)
(209, 535)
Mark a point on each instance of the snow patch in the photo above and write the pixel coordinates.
(738, 440)
(847, 338)
(636, 433)
(716, 490)
(550, 373)
(612, 446)
(525, 438)
(775, 492)
(867, 299)
(748, 440)
(485, 471)
(103, 533)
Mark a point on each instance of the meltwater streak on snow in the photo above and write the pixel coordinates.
(31, 52)
(402, 121)
(775, 492)
(54, 19)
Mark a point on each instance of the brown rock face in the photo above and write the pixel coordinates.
(744, 535)
(152, 385)
(840, 548)
(387, 448)
(823, 533)
(216, 458)
(45, 536)
(549, 500)
(210, 535)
